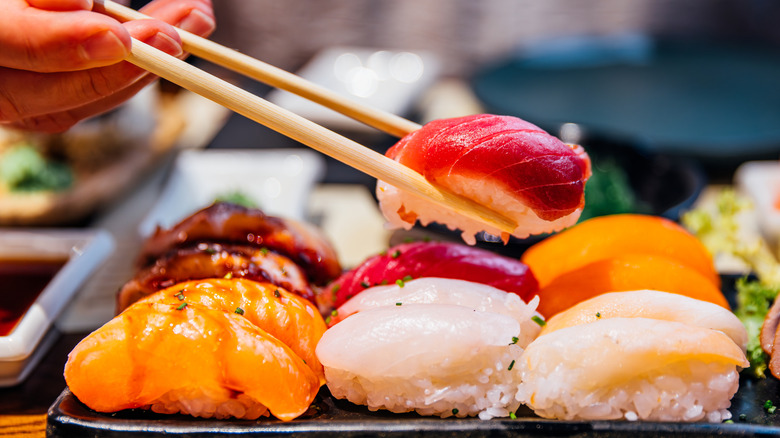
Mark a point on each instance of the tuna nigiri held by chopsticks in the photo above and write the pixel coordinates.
(502, 162)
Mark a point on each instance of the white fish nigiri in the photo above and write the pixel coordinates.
(654, 305)
(632, 368)
(432, 290)
(436, 359)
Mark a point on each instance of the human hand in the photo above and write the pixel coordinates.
(61, 63)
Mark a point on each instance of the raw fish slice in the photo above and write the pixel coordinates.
(654, 305)
(231, 223)
(435, 359)
(502, 162)
(431, 290)
(289, 318)
(633, 368)
(434, 259)
(201, 362)
(615, 235)
(212, 260)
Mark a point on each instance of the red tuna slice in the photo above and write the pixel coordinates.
(537, 169)
(435, 259)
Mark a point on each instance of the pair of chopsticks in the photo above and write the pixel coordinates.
(290, 124)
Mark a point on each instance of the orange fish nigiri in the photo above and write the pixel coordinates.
(284, 315)
(188, 359)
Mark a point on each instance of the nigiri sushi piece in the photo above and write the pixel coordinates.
(631, 368)
(654, 305)
(435, 359)
(502, 162)
(434, 259)
(287, 317)
(214, 260)
(230, 223)
(191, 360)
(430, 290)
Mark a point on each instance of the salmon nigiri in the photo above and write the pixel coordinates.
(188, 359)
(284, 315)
(502, 162)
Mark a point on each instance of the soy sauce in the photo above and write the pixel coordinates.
(21, 281)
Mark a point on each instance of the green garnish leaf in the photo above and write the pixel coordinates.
(395, 254)
(514, 340)
(239, 310)
(264, 251)
(277, 294)
(334, 312)
(538, 320)
(398, 304)
(182, 306)
(328, 320)
(455, 411)
(399, 282)
(408, 278)
(237, 197)
(511, 365)
(598, 314)
(513, 416)
(365, 284)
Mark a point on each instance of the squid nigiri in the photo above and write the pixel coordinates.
(284, 315)
(435, 359)
(431, 290)
(197, 361)
(631, 368)
(502, 162)
(654, 305)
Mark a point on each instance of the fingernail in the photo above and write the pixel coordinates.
(165, 43)
(197, 22)
(103, 46)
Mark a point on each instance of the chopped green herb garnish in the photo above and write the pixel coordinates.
(239, 310)
(408, 278)
(769, 405)
(335, 288)
(398, 304)
(399, 282)
(511, 365)
(598, 314)
(514, 340)
(395, 254)
(349, 296)
(728, 421)
(277, 294)
(455, 411)
(328, 320)
(182, 305)
(210, 251)
(742, 417)
(365, 284)
(180, 296)
(334, 312)
(512, 416)
(538, 320)
(304, 361)
(264, 250)
(383, 282)
(228, 276)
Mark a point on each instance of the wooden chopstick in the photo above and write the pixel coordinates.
(268, 74)
(308, 133)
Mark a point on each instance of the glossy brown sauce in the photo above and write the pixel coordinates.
(21, 281)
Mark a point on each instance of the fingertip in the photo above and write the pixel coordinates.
(62, 5)
(158, 34)
(104, 47)
(198, 23)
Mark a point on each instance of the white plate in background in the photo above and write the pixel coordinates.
(389, 80)
(84, 251)
(278, 181)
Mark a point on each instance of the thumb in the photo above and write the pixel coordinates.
(48, 41)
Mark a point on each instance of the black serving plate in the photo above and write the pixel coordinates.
(329, 417)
